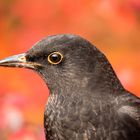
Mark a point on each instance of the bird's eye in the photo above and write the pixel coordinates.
(55, 58)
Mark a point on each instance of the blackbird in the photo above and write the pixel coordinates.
(87, 101)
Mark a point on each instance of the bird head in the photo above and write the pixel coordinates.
(65, 62)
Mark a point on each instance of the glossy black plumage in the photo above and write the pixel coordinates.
(87, 101)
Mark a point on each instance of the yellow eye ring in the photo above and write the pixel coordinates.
(55, 58)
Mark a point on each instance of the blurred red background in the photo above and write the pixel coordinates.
(113, 26)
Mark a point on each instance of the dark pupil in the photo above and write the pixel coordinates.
(55, 58)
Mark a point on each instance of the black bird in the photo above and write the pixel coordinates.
(87, 101)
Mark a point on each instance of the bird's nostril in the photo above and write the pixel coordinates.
(23, 59)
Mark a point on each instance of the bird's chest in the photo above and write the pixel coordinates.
(69, 119)
(78, 119)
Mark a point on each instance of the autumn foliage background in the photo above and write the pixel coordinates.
(112, 25)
